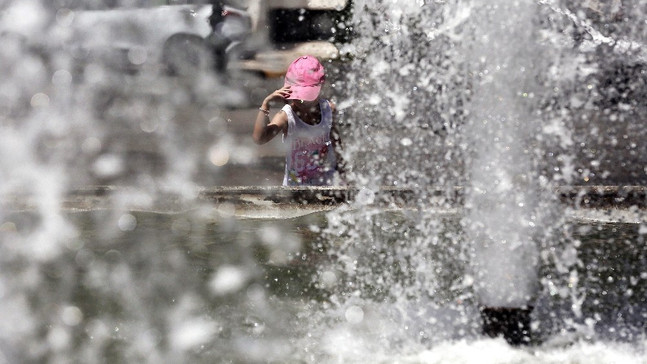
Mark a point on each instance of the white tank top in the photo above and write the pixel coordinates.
(310, 160)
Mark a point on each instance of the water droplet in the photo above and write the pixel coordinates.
(62, 78)
(137, 55)
(71, 316)
(40, 100)
(127, 222)
(218, 155)
(354, 315)
(642, 230)
(108, 165)
(228, 279)
(365, 197)
(329, 279)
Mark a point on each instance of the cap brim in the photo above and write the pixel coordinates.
(307, 93)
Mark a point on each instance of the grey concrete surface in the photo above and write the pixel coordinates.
(597, 202)
(267, 169)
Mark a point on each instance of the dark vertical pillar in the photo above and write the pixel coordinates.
(512, 323)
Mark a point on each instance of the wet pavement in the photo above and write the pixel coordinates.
(267, 166)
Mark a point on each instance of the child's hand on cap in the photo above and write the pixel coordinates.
(282, 93)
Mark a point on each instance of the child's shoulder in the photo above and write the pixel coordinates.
(333, 107)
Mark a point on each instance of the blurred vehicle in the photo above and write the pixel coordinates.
(249, 35)
(129, 39)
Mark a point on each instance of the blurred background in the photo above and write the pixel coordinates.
(504, 99)
(136, 90)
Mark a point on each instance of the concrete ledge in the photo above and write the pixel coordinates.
(575, 196)
(314, 195)
(309, 4)
(319, 198)
(604, 196)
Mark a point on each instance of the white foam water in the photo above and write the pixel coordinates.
(505, 99)
(498, 97)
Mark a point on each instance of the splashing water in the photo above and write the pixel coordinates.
(508, 100)
(499, 101)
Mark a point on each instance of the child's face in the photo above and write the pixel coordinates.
(303, 105)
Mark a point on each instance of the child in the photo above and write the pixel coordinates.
(306, 122)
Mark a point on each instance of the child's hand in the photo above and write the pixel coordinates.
(280, 94)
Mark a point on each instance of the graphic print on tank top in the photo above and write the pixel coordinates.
(310, 159)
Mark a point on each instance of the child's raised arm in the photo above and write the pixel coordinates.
(264, 129)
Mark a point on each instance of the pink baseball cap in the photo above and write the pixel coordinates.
(305, 77)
